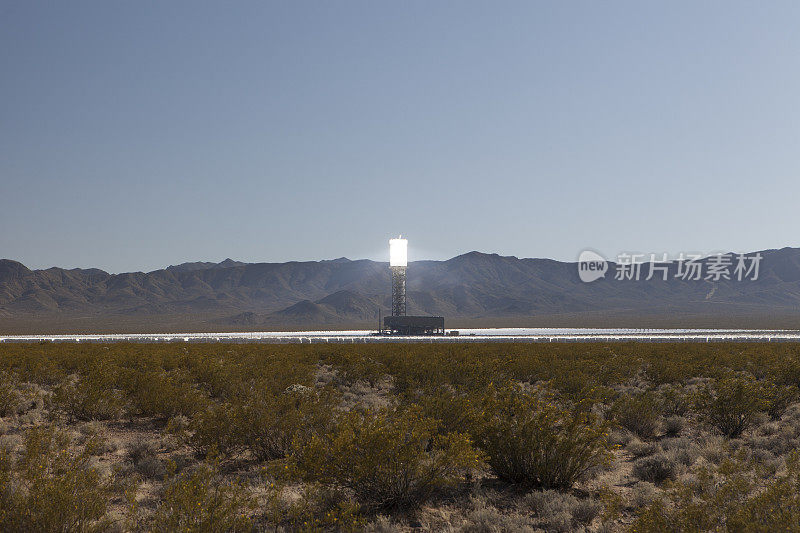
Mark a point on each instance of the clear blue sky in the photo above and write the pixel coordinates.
(134, 135)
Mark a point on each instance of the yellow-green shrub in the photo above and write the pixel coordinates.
(266, 425)
(778, 398)
(776, 508)
(218, 430)
(531, 440)
(727, 498)
(317, 509)
(162, 394)
(54, 487)
(638, 413)
(674, 400)
(731, 403)
(200, 502)
(271, 423)
(88, 398)
(387, 459)
(451, 409)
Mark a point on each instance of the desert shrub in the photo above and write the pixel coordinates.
(787, 371)
(655, 468)
(198, 501)
(382, 524)
(87, 398)
(778, 398)
(584, 511)
(638, 448)
(162, 394)
(271, 423)
(779, 442)
(54, 487)
(668, 370)
(683, 451)
(776, 508)
(43, 370)
(218, 430)
(7, 493)
(316, 509)
(451, 409)
(266, 424)
(221, 377)
(638, 413)
(176, 429)
(674, 400)
(533, 441)
(726, 498)
(620, 437)
(482, 517)
(714, 448)
(673, 425)
(145, 461)
(387, 459)
(10, 396)
(730, 403)
(361, 369)
(232, 398)
(642, 494)
(579, 386)
(557, 511)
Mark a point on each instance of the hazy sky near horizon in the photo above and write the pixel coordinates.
(134, 135)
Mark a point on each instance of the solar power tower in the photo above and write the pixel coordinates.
(398, 323)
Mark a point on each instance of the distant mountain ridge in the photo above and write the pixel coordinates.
(204, 265)
(475, 286)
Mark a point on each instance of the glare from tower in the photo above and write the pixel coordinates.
(398, 262)
(398, 252)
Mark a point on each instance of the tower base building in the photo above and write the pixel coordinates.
(413, 325)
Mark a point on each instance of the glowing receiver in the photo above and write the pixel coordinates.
(398, 252)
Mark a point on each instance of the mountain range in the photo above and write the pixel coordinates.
(473, 289)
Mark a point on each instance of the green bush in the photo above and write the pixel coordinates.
(674, 400)
(87, 398)
(638, 413)
(387, 459)
(218, 430)
(317, 509)
(731, 403)
(198, 501)
(451, 409)
(51, 488)
(778, 398)
(728, 498)
(531, 440)
(271, 423)
(162, 394)
(776, 508)
(266, 425)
